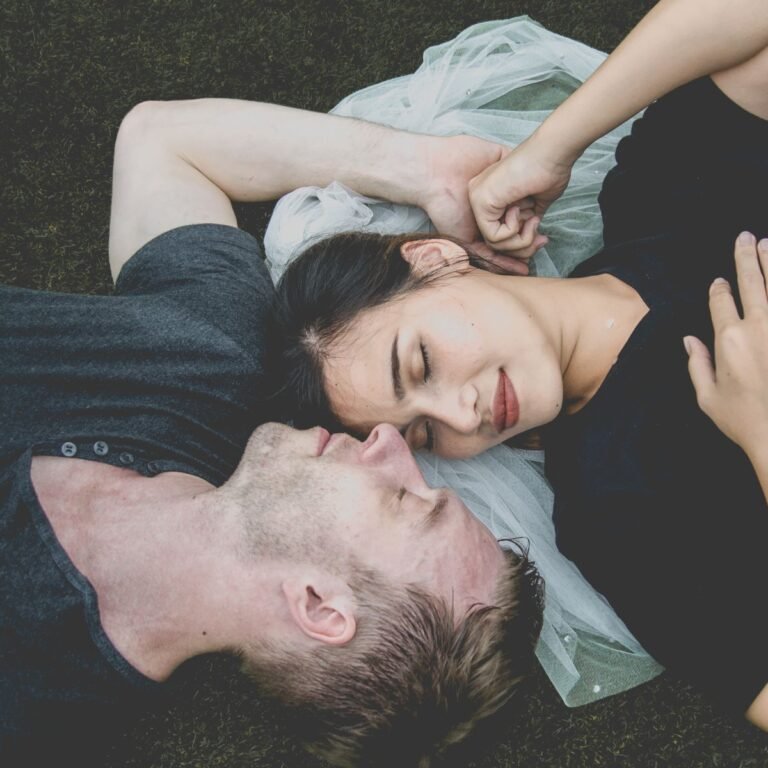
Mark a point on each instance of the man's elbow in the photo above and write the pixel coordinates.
(758, 712)
(141, 127)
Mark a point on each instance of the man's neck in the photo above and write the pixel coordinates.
(167, 565)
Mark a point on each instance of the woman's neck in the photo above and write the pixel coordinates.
(588, 321)
(610, 312)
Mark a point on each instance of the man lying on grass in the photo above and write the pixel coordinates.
(362, 598)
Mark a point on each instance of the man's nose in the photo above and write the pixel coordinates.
(383, 443)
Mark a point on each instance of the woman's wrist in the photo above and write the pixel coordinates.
(757, 454)
(555, 146)
(757, 448)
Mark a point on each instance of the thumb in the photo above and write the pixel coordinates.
(700, 367)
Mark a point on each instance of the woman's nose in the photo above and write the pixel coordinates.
(458, 410)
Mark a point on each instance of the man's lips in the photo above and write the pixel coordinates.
(506, 409)
(323, 438)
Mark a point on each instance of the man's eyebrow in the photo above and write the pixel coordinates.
(435, 512)
(397, 381)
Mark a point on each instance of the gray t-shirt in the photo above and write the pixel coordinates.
(167, 374)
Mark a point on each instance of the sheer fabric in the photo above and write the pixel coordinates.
(497, 80)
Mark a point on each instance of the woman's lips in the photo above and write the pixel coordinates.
(506, 409)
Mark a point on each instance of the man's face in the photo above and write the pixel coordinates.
(369, 499)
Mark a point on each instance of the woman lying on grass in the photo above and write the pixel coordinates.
(660, 501)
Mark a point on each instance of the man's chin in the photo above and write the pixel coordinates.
(268, 436)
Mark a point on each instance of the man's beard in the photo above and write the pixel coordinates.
(289, 518)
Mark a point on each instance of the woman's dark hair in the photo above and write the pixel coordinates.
(320, 295)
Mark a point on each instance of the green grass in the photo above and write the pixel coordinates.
(69, 70)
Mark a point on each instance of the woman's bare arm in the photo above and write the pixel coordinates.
(678, 41)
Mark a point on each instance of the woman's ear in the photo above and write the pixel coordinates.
(428, 256)
(323, 608)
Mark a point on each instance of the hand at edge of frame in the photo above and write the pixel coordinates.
(732, 389)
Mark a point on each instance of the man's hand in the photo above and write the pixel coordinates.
(510, 197)
(452, 163)
(733, 390)
(184, 162)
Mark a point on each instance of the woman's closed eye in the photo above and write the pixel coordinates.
(429, 436)
(426, 364)
(420, 436)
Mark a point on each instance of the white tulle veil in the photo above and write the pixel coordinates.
(497, 80)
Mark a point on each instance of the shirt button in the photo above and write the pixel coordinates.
(153, 467)
(100, 448)
(126, 458)
(68, 449)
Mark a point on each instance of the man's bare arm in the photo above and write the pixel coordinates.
(184, 162)
(758, 712)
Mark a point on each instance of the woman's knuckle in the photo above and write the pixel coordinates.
(730, 336)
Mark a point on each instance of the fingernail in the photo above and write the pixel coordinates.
(719, 281)
(763, 244)
(687, 344)
(746, 238)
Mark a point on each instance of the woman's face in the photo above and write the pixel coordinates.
(458, 366)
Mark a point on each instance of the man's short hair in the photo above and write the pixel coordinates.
(412, 684)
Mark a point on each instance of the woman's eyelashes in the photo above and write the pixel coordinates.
(429, 436)
(427, 366)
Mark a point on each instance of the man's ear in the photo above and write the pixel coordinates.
(427, 256)
(322, 607)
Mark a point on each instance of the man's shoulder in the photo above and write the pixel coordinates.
(57, 668)
(196, 254)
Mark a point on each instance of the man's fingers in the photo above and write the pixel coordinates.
(503, 263)
(538, 242)
(750, 275)
(700, 369)
(510, 265)
(722, 307)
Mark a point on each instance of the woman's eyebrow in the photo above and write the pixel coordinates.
(397, 381)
